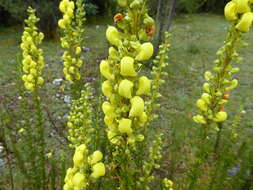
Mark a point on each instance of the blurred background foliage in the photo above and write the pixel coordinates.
(13, 12)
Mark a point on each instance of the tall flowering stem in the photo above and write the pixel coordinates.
(128, 92)
(33, 63)
(72, 25)
(220, 83)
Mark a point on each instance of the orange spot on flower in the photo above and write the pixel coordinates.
(118, 17)
(150, 30)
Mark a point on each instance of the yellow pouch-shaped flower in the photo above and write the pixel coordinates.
(125, 126)
(206, 97)
(98, 170)
(201, 104)
(112, 136)
(220, 116)
(137, 107)
(105, 70)
(108, 109)
(144, 85)
(242, 6)
(69, 175)
(63, 6)
(146, 52)
(230, 11)
(199, 119)
(109, 122)
(127, 67)
(125, 88)
(81, 148)
(78, 159)
(107, 88)
(143, 118)
(113, 36)
(245, 22)
(79, 180)
(96, 157)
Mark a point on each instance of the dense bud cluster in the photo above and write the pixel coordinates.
(72, 25)
(220, 82)
(80, 119)
(33, 61)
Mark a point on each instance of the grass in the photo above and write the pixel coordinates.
(193, 47)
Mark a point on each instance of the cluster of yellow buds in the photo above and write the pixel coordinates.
(240, 12)
(220, 83)
(85, 169)
(167, 184)
(160, 62)
(72, 26)
(33, 61)
(80, 119)
(151, 163)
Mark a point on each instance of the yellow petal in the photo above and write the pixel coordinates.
(242, 6)
(245, 22)
(98, 170)
(220, 116)
(108, 109)
(137, 107)
(199, 119)
(125, 126)
(106, 70)
(113, 36)
(79, 180)
(125, 88)
(96, 157)
(107, 88)
(201, 104)
(78, 159)
(143, 118)
(127, 67)
(146, 52)
(230, 11)
(144, 86)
